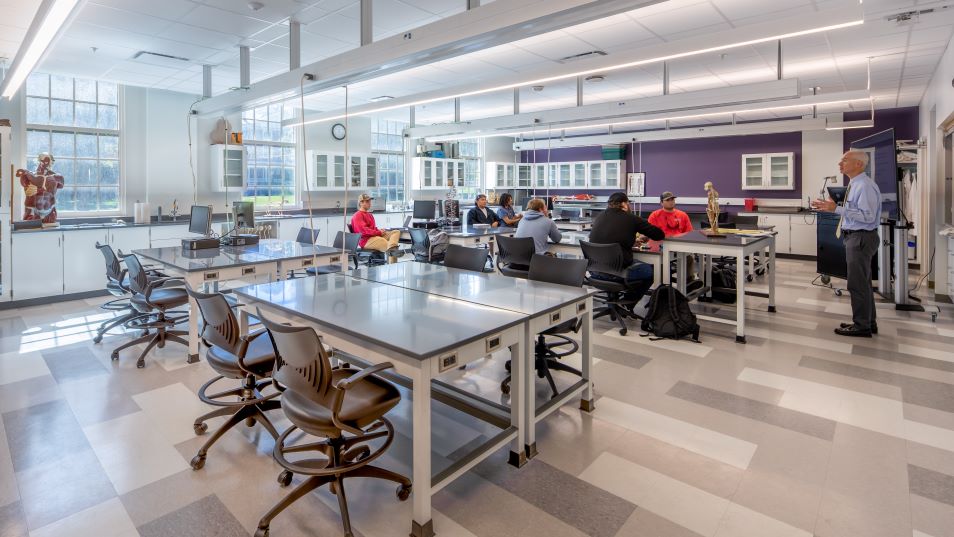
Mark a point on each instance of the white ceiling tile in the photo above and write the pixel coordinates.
(117, 18)
(554, 45)
(339, 26)
(272, 11)
(678, 20)
(225, 22)
(167, 9)
(393, 14)
(201, 37)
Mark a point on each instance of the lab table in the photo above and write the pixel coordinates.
(649, 252)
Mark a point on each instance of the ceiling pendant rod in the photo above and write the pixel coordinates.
(516, 101)
(579, 91)
(245, 60)
(367, 30)
(666, 84)
(779, 60)
(457, 110)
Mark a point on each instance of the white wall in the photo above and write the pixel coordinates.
(821, 151)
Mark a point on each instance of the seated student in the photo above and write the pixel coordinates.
(481, 214)
(675, 222)
(537, 226)
(508, 217)
(372, 238)
(617, 224)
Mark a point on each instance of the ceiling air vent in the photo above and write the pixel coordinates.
(582, 56)
(914, 16)
(158, 58)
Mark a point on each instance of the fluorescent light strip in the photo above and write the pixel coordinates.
(653, 120)
(23, 65)
(594, 71)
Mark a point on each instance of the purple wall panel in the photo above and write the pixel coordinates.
(904, 121)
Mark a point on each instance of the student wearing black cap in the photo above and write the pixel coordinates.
(617, 224)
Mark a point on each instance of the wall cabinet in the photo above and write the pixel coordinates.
(228, 167)
(768, 171)
(331, 171)
(436, 173)
(586, 175)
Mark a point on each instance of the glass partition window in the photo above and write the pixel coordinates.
(387, 144)
(270, 156)
(77, 121)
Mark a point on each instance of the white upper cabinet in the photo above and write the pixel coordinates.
(330, 171)
(228, 167)
(429, 173)
(768, 171)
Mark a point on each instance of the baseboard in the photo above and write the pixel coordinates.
(796, 256)
(44, 300)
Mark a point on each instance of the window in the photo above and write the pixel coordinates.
(471, 150)
(269, 156)
(77, 121)
(387, 144)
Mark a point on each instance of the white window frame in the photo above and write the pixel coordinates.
(380, 154)
(30, 160)
(249, 142)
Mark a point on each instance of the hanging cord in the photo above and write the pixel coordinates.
(304, 150)
(922, 278)
(347, 158)
(195, 181)
(547, 175)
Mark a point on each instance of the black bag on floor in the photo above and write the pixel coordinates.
(669, 317)
(723, 284)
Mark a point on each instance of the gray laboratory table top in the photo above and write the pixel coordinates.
(481, 232)
(232, 256)
(572, 238)
(729, 239)
(488, 289)
(409, 322)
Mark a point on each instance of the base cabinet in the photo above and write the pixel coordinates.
(84, 266)
(796, 233)
(37, 265)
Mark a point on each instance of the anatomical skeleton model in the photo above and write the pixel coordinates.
(712, 208)
(40, 189)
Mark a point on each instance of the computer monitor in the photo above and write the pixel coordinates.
(200, 220)
(244, 213)
(424, 209)
(837, 193)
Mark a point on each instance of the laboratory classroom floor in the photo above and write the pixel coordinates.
(798, 433)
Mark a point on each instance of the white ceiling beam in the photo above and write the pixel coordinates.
(712, 42)
(497, 23)
(681, 102)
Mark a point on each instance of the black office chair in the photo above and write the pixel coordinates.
(465, 257)
(307, 235)
(344, 406)
(607, 261)
(513, 255)
(153, 299)
(422, 248)
(117, 285)
(348, 241)
(249, 358)
(561, 271)
(372, 257)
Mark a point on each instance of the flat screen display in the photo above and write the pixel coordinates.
(200, 219)
(883, 169)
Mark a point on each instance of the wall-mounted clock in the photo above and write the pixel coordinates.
(338, 131)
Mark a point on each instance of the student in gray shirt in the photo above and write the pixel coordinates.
(537, 226)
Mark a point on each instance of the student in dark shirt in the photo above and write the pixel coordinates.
(618, 225)
(481, 214)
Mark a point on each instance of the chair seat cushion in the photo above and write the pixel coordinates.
(606, 282)
(363, 404)
(163, 298)
(259, 358)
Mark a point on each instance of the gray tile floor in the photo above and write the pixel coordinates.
(797, 433)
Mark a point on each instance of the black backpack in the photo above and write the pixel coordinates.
(669, 316)
(723, 283)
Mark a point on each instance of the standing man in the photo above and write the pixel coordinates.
(858, 228)
(481, 214)
(373, 238)
(618, 225)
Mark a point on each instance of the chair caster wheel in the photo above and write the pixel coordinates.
(403, 492)
(749, 278)
(197, 462)
(505, 389)
(249, 422)
(837, 292)
(507, 366)
(622, 331)
(98, 339)
(114, 356)
(285, 478)
(200, 428)
(141, 364)
(261, 532)
(161, 344)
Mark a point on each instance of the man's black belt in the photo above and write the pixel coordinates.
(850, 231)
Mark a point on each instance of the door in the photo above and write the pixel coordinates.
(355, 172)
(579, 175)
(596, 175)
(460, 174)
(752, 171)
(38, 265)
(780, 171)
(87, 269)
(428, 173)
(803, 238)
(552, 180)
(451, 174)
(540, 175)
(440, 176)
(565, 170)
(523, 175)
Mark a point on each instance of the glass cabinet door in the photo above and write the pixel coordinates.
(371, 167)
(540, 175)
(440, 178)
(552, 175)
(579, 175)
(321, 171)
(565, 175)
(339, 171)
(612, 174)
(523, 175)
(428, 173)
(451, 175)
(460, 174)
(780, 172)
(596, 175)
(753, 166)
(356, 172)
(500, 176)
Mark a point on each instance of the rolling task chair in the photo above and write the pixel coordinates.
(344, 406)
(117, 284)
(153, 301)
(514, 255)
(465, 257)
(249, 358)
(571, 272)
(422, 248)
(307, 235)
(346, 241)
(608, 259)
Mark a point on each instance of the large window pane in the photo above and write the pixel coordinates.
(108, 199)
(37, 142)
(86, 145)
(108, 93)
(109, 172)
(108, 117)
(86, 199)
(61, 113)
(38, 85)
(86, 173)
(108, 146)
(85, 115)
(66, 198)
(64, 167)
(63, 144)
(38, 110)
(85, 90)
(61, 87)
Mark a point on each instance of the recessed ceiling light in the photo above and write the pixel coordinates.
(255, 6)
(536, 89)
(380, 98)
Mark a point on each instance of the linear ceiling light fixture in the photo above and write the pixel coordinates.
(684, 117)
(49, 21)
(600, 70)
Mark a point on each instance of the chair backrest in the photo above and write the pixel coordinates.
(138, 279)
(220, 327)
(114, 267)
(420, 241)
(562, 271)
(746, 222)
(307, 235)
(465, 257)
(605, 258)
(302, 364)
(514, 251)
(350, 228)
(407, 221)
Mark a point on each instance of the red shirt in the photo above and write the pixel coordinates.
(363, 222)
(673, 222)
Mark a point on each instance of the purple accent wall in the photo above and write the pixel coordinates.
(904, 121)
(683, 166)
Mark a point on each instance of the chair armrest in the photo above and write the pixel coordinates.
(246, 340)
(345, 384)
(159, 283)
